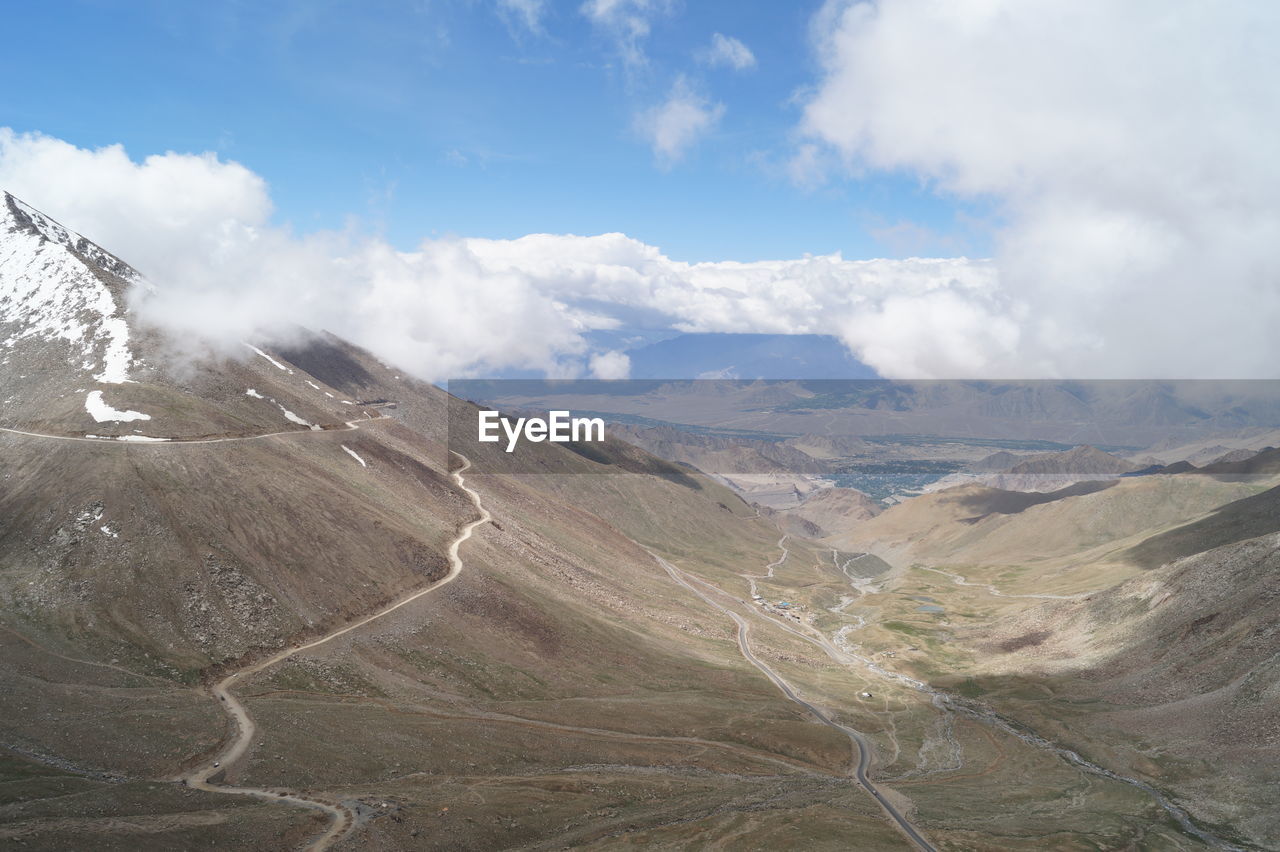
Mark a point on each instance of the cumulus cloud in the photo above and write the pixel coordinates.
(1129, 147)
(894, 313)
(676, 124)
(199, 228)
(610, 365)
(729, 52)
(627, 23)
(200, 196)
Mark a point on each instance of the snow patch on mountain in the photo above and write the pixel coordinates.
(293, 418)
(288, 415)
(100, 411)
(269, 358)
(49, 292)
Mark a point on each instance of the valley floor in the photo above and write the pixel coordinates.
(633, 676)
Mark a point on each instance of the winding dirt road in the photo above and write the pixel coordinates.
(343, 817)
(350, 426)
(769, 569)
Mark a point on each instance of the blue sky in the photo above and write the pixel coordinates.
(452, 117)
(1069, 169)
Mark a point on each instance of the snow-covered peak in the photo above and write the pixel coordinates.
(47, 228)
(56, 232)
(54, 287)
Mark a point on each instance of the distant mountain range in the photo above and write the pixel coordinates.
(747, 356)
(1031, 415)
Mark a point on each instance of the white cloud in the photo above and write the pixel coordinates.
(1130, 147)
(729, 52)
(877, 306)
(610, 365)
(527, 13)
(200, 195)
(676, 124)
(199, 228)
(628, 23)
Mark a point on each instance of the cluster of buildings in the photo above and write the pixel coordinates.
(786, 609)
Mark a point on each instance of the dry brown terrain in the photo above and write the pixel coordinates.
(625, 655)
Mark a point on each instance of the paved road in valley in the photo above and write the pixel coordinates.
(861, 747)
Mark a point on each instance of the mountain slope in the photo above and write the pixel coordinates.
(78, 362)
(1129, 621)
(833, 511)
(1242, 519)
(1042, 472)
(975, 524)
(257, 604)
(1182, 662)
(134, 573)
